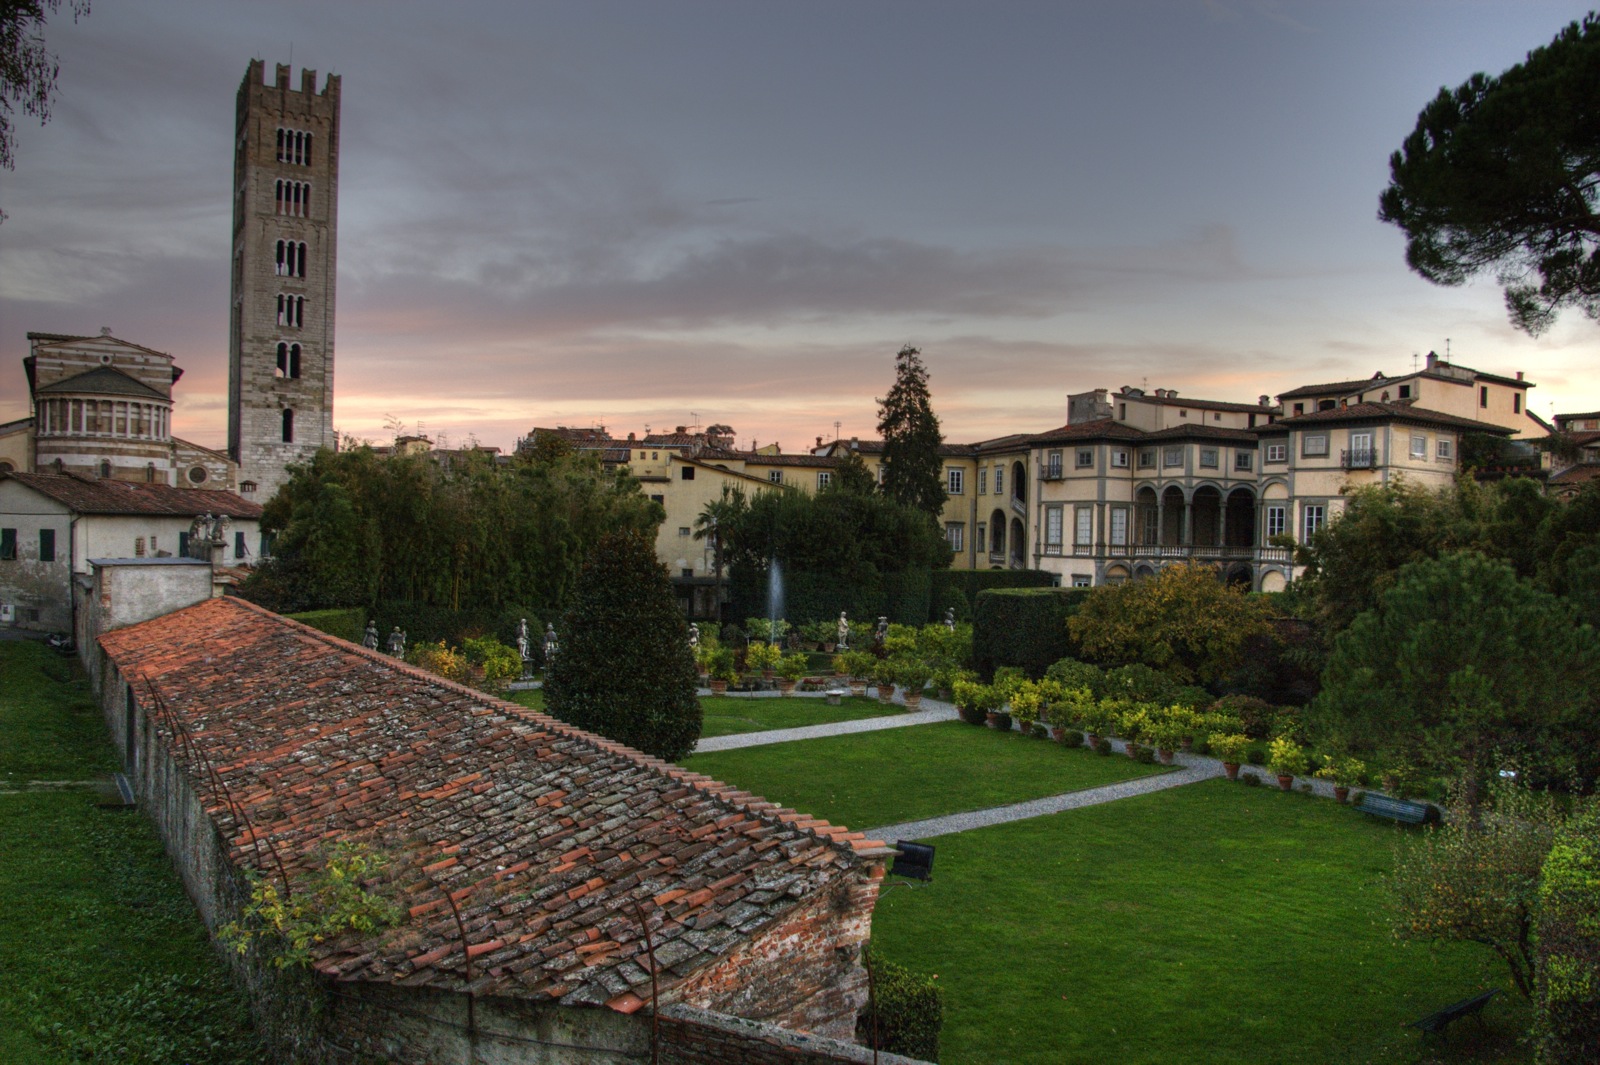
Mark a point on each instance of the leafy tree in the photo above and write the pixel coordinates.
(625, 669)
(714, 517)
(1475, 879)
(1501, 174)
(913, 469)
(28, 69)
(1184, 621)
(1460, 665)
(852, 475)
(1567, 955)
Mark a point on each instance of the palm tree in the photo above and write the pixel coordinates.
(718, 516)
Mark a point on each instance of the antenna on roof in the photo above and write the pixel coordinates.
(1446, 349)
(836, 424)
(695, 416)
(1414, 358)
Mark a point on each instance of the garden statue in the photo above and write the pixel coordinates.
(882, 634)
(397, 643)
(694, 636)
(369, 639)
(523, 646)
(843, 643)
(950, 618)
(550, 644)
(219, 531)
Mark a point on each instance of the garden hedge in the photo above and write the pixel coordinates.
(910, 1007)
(960, 588)
(346, 623)
(810, 595)
(1023, 627)
(422, 622)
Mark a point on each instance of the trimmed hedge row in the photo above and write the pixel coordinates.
(809, 596)
(910, 1008)
(1023, 627)
(960, 588)
(346, 623)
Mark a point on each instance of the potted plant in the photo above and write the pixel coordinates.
(1132, 722)
(764, 657)
(819, 634)
(791, 667)
(1231, 748)
(1026, 703)
(858, 667)
(841, 664)
(1098, 717)
(1286, 758)
(1164, 730)
(720, 670)
(1342, 770)
(972, 701)
(912, 675)
(882, 674)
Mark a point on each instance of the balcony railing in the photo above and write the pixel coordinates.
(1360, 458)
(1180, 551)
(1019, 506)
(1050, 473)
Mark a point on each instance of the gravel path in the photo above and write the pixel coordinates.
(932, 711)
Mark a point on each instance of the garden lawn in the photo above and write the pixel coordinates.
(871, 779)
(1208, 923)
(724, 715)
(102, 956)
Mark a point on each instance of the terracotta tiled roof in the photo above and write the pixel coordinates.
(1197, 404)
(544, 836)
(824, 462)
(91, 495)
(1200, 431)
(1101, 428)
(1582, 473)
(1333, 387)
(1362, 412)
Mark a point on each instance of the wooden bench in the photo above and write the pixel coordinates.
(1412, 813)
(1438, 1022)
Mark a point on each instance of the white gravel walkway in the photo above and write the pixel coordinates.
(932, 710)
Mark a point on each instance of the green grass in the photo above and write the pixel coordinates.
(50, 727)
(1208, 923)
(102, 956)
(729, 714)
(871, 779)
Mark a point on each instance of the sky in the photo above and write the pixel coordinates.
(655, 213)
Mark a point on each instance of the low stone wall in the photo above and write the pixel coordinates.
(699, 1037)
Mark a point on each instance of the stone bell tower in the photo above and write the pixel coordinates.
(285, 230)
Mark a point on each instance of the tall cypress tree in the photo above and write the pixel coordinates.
(913, 470)
(624, 668)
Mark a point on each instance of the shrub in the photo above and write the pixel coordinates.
(1102, 746)
(347, 624)
(762, 656)
(496, 663)
(910, 1012)
(1285, 757)
(1254, 715)
(1038, 731)
(1256, 756)
(1229, 746)
(1071, 738)
(1071, 673)
(792, 666)
(1144, 755)
(1002, 721)
(440, 660)
(1141, 684)
(961, 588)
(625, 669)
(721, 665)
(1025, 628)
(1249, 780)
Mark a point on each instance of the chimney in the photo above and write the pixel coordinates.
(855, 443)
(1433, 360)
(1264, 401)
(819, 441)
(1519, 375)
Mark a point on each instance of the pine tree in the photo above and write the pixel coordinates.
(913, 470)
(624, 668)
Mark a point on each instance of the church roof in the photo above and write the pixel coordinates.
(105, 381)
(94, 495)
(548, 840)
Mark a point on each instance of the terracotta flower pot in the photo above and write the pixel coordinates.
(1186, 744)
(1057, 733)
(719, 687)
(786, 686)
(1165, 756)
(1341, 794)
(766, 674)
(886, 693)
(858, 688)
(1285, 782)
(1091, 740)
(913, 699)
(1231, 769)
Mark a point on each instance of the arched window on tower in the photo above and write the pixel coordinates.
(299, 259)
(105, 469)
(281, 267)
(288, 425)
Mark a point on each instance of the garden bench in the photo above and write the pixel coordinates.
(1438, 1022)
(1412, 813)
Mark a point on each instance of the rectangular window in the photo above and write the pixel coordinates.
(1277, 517)
(1083, 535)
(138, 547)
(1314, 444)
(1313, 515)
(824, 478)
(775, 476)
(659, 499)
(979, 535)
(956, 533)
(688, 473)
(1243, 460)
(999, 480)
(1516, 403)
(1119, 526)
(1405, 391)
(1277, 452)
(1483, 395)
(1446, 449)
(47, 545)
(8, 545)
(1147, 458)
(1085, 458)
(238, 545)
(683, 531)
(953, 480)
(1299, 408)
(1172, 456)
(1052, 529)
(1119, 458)
(1082, 580)
(183, 545)
(1208, 458)
(1052, 464)
(1419, 446)
(983, 481)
